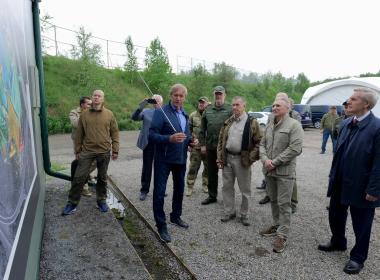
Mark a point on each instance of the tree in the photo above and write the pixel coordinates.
(86, 50)
(158, 72)
(131, 65)
(45, 27)
(200, 84)
(302, 83)
(224, 74)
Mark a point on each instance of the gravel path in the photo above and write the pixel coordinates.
(231, 251)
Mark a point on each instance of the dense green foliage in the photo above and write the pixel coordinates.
(67, 80)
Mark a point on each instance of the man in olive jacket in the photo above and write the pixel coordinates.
(212, 121)
(97, 139)
(238, 148)
(355, 179)
(279, 147)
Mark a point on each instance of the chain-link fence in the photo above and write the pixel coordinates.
(60, 41)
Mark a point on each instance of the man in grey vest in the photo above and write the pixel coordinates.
(145, 115)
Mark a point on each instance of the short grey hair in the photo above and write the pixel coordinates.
(158, 97)
(368, 96)
(178, 87)
(286, 101)
(241, 98)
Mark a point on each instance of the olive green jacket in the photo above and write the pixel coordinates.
(212, 121)
(328, 121)
(250, 145)
(282, 143)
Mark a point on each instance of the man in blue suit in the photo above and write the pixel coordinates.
(355, 179)
(169, 131)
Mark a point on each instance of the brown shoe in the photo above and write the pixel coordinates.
(271, 231)
(228, 217)
(279, 244)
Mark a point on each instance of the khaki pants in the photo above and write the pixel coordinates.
(83, 170)
(280, 193)
(233, 169)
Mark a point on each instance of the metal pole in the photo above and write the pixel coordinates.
(108, 58)
(55, 40)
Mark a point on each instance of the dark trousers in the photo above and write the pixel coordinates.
(362, 219)
(146, 174)
(83, 170)
(212, 174)
(161, 174)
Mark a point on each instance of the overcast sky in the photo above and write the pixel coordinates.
(323, 39)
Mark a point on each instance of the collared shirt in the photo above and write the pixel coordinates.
(235, 134)
(180, 116)
(362, 117)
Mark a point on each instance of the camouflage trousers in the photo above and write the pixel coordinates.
(196, 158)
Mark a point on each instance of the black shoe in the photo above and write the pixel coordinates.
(164, 235)
(265, 200)
(329, 247)
(352, 267)
(143, 196)
(262, 186)
(179, 222)
(208, 201)
(294, 209)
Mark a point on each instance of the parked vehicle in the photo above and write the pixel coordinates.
(317, 112)
(261, 117)
(303, 110)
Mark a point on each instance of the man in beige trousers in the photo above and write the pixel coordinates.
(279, 147)
(238, 148)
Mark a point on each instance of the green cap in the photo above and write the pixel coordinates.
(219, 89)
(203, 98)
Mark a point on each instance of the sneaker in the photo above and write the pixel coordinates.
(164, 234)
(272, 231)
(265, 200)
(279, 244)
(69, 209)
(189, 191)
(143, 196)
(86, 192)
(322, 152)
(228, 217)
(91, 182)
(205, 189)
(244, 221)
(103, 207)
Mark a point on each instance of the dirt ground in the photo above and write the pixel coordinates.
(230, 251)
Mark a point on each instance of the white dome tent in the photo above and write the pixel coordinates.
(336, 92)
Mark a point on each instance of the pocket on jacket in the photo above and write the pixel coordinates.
(285, 170)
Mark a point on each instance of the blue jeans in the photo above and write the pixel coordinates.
(146, 174)
(161, 174)
(326, 134)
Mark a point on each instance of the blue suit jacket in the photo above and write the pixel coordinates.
(146, 116)
(361, 168)
(161, 130)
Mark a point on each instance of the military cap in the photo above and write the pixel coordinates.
(219, 89)
(203, 98)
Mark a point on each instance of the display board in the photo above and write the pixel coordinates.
(17, 156)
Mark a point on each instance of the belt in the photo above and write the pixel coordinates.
(234, 154)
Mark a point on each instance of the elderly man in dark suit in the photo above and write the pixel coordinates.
(355, 179)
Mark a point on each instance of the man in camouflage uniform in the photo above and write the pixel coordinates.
(196, 157)
(212, 121)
